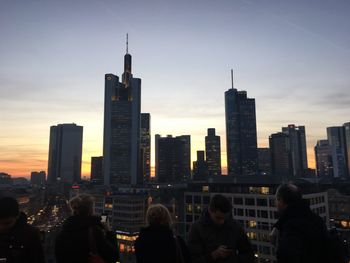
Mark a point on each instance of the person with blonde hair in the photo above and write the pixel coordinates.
(84, 237)
(157, 242)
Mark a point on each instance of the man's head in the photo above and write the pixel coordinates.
(220, 209)
(82, 205)
(287, 194)
(9, 212)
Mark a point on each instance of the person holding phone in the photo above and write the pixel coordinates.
(217, 237)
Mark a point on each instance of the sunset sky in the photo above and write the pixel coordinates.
(293, 57)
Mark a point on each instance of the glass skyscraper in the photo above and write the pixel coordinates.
(121, 140)
(241, 135)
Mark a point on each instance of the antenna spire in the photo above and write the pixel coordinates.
(232, 78)
(127, 43)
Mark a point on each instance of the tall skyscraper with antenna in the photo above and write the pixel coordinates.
(121, 138)
(241, 135)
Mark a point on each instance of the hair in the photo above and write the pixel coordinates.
(8, 207)
(289, 194)
(82, 205)
(158, 214)
(220, 203)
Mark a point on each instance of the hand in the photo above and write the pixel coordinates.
(221, 252)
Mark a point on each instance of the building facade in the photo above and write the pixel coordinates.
(121, 140)
(65, 153)
(146, 146)
(96, 174)
(297, 142)
(241, 135)
(281, 159)
(213, 153)
(173, 158)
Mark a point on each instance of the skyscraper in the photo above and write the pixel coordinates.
(347, 146)
(297, 141)
(96, 174)
(336, 138)
(241, 138)
(146, 146)
(281, 159)
(121, 140)
(264, 161)
(172, 158)
(213, 153)
(65, 151)
(326, 158)
(200, 168)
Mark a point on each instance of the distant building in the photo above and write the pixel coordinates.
(264, 161)
(122, 121)
(326, 157)
(213, 153)
(200, 167)
(241, 135)
(96, 174)
(347, 145)
(146, 146)
(281, 157)
(65, 153)
(173, 158)
(38, 178)
(297, 142)
(336, 138)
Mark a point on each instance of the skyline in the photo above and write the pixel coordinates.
(295, 59)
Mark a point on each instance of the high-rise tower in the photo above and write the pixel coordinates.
(241, 137)
(121, 140)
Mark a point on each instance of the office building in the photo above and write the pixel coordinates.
(146, 146)
(200, 168)
(65, 152)
(213, 153)
(96, 174)
(241, 135)
(121, 139)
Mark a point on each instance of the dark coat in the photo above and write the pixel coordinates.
(302, 236)
(205, 237)
(72, 244)
(22, 243)
(156, 244)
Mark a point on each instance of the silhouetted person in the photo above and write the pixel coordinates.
(84, 236)
(157, 243)
(19, 242)
(216, 237)
(301, 234)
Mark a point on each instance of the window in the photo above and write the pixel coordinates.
(206, 199)
(197, 200)
(188, 199)
(264, 214)
(249, 201)
(261, 202)
(238, 201)
(250, 212)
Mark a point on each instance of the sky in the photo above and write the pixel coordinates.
(293, 57)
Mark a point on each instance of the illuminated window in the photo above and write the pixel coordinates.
(205, 189)
(189, 208)
(251, 223)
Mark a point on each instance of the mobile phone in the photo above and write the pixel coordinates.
(103, 218)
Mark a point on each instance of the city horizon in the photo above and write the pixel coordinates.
(295, 65)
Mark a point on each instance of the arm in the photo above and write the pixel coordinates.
(244, 247)
(195, 245)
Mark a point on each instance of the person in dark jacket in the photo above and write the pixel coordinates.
(84, 235)
(19, 242)
(217, 237)
(157, 243)
(301, 234)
